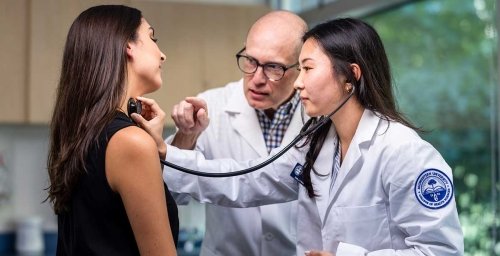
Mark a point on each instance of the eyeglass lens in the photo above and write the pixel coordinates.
(249, 65)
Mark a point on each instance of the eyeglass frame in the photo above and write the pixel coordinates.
(283, 67)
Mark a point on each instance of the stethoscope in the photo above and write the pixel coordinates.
(304, 131)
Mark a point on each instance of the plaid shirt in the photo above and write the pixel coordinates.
(274, 129)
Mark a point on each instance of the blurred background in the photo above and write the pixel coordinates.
(443, 53)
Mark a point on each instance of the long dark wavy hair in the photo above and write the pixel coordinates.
(91, 88)
(346, 41)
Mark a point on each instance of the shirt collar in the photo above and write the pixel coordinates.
(285, 110)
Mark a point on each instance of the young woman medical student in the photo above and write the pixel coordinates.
(367, 184)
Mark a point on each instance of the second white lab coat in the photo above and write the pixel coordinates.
(374, 208)
(234, 132)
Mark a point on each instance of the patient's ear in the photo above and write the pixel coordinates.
(130, 49)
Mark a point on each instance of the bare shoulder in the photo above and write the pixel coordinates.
(131, 140)
(131, 156)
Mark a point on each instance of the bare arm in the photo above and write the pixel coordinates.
(134, 172)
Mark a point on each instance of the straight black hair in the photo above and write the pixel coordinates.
(346, 41)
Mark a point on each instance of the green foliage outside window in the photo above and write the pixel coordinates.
(443, 57)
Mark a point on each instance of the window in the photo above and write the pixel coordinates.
(443, 56)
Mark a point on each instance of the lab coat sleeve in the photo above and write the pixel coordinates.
(180, 198)
(269, 185)
(430, 232)
(172, 180)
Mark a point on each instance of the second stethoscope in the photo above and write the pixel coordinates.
(306, 130)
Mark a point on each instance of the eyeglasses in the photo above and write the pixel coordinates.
(273, 71)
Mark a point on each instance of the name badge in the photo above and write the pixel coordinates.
(297, 173)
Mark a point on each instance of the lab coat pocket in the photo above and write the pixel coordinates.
(365, 226)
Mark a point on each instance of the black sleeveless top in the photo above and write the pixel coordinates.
(97, 223)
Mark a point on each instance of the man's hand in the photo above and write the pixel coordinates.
(191, 118)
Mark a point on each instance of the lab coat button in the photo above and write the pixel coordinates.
(268, 236)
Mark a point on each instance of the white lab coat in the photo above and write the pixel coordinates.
(373, 209)
(234, 132)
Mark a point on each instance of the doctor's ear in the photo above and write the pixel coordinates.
(356, 70)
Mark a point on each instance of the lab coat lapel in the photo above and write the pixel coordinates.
(244, 120)
(324, 161)
(353, 159)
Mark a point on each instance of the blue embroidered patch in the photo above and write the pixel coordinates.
(433, 189)
(297, 173)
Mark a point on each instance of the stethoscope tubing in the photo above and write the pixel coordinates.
(323, 120)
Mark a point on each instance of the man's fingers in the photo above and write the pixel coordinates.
(202, 117)
(190, 115)
(197, 103)
(186, 112)
(182, 114)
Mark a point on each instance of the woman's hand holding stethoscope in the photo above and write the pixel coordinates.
(152, 120)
